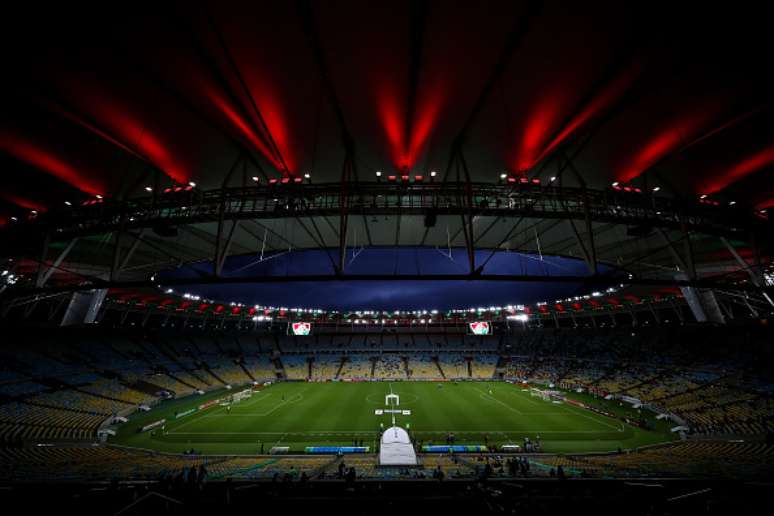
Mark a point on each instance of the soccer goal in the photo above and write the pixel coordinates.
(243, 395)
(537, 393)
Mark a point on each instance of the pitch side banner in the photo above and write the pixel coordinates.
(185, 413)
(153, 425)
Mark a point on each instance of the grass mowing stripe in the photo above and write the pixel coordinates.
(341, 413)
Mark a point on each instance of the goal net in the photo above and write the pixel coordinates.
(242, 395)
(537, 393)
(547, 395)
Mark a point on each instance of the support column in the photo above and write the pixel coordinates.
(84, 307)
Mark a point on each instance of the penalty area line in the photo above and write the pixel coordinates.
(484, 395)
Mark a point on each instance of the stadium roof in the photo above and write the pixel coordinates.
(660, 98)
(93, 103)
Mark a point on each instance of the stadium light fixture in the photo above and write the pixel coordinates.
(519, 317)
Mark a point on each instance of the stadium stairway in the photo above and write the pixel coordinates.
(103, 396)
(279, 368)
(698, 388)
(144, 354)
(66, 409)
(249, 375)
(341, 366)
(438, 365)
(146, 387)
(501, 366)
(168, 351)
(209, 370)
(216, 342)
(179, 380)
(239, 348)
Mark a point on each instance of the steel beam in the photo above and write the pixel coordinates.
(681, 265)
(515, 36)
(226, 249)
(590, 262)
(448, 199)
(45, 272)
(755, 277)
(132, 248)
(590, 281)
(246, 92)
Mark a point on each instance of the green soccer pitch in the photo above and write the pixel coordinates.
(297, 414)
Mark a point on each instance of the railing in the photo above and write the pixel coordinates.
(308, 200)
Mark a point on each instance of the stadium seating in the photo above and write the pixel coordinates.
(356, 366)
(689, 459)
(47, 392)
(422, 366)
(296, 367)
(389, 366)
(325, 367)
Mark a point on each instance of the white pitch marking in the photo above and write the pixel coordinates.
(517, 431)
(587, 416)
(484, 395)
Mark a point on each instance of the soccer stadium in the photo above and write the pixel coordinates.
(371, 257)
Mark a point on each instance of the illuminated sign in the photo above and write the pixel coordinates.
(480, 328)
(299, 328)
